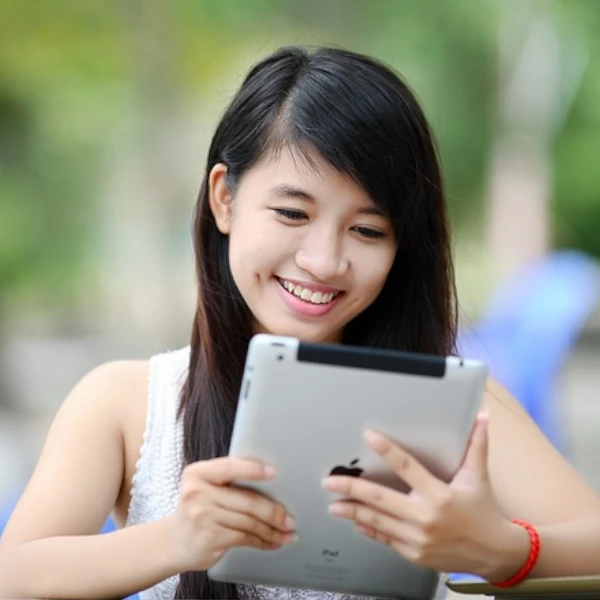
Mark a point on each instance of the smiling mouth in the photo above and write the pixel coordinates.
(307, 295)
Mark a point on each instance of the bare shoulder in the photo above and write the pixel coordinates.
(511, 427)
(499, 400)
(495, 392)
(121, 390)
(508, 417)
(80, 471)
(114, 392)
(109, 391)
(529, 475)
(112, 380)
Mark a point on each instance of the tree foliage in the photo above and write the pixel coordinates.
(71, 72)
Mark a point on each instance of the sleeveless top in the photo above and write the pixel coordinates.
(157, 477)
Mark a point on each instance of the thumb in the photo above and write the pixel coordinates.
(476, 457)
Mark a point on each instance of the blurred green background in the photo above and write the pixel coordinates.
(106, 109)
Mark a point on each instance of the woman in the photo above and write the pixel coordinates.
(322, 181)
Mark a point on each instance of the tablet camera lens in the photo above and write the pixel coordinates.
(280, 357)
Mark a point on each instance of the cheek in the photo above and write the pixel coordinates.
(377, 280)
(376, 269)
(253, 251)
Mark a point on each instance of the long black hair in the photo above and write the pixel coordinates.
(359, 116)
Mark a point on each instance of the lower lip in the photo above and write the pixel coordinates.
(305, 308)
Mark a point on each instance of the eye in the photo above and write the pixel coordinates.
(367, 232)
(291, 214)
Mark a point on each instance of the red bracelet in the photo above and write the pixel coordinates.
(534, 553)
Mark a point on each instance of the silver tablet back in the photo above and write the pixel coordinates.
(303, 408)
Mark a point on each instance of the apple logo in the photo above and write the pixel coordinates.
(351, 471)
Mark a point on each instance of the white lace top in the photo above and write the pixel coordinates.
(155, 486)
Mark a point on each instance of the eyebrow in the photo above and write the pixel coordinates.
(285, 190)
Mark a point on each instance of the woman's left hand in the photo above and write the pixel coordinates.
(449, 527)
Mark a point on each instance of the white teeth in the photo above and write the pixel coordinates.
(308, 295)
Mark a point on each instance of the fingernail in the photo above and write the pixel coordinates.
(269, 471)
(374, 439)
(290, 538)
(331, 483)
(483, 416)
(289, 523)
(338, 510)
(273, 546)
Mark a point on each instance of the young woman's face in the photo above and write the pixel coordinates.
(308, 248)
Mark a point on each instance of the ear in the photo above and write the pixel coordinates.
(219, 198)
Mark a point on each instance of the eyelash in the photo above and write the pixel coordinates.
(297, 215)
(367, 232)
(291, 214)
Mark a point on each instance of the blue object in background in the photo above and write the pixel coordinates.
(530, 328)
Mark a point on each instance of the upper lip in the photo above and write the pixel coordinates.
(315, 287)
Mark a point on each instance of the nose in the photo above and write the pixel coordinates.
(322, 256)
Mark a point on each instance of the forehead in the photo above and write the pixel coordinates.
(290, 169)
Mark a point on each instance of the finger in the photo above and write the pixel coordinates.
(382, 526)
(382, 538)
(256, 505)
(410, 470)
(373, 494)
(374, 534)
(368, 531)
(230, 538)
(250, 525)
(476, 457)
(225, 470)
(407, 550)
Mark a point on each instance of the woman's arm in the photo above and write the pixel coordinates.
(530, 478)
(532, 481)
(50, 547)
(112, 565)
(567, 549)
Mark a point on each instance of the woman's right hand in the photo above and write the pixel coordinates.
(214, 516)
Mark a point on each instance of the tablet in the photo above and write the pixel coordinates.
(303, 407)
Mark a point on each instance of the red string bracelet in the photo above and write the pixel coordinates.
(534, 553)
